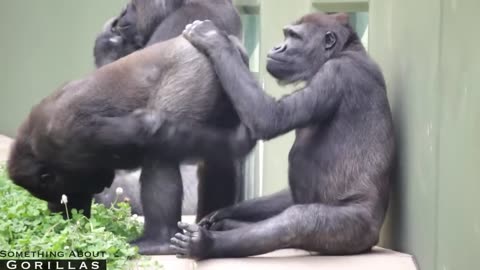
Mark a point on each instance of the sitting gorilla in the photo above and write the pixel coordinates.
(341, 163)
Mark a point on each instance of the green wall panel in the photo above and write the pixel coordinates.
(406, 46)
(431, 64)
(44, 44)
(458, 244)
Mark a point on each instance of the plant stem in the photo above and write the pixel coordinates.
(66, 210)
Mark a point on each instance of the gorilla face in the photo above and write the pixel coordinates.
(305, 49)
(125, 26)
(288, 58)
(44, 181)
(119, 38)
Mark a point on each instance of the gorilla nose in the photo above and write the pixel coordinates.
(279, 48)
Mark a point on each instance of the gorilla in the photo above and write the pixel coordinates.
(132, 30)
(146, 22)
(74, 140)
(341, 162)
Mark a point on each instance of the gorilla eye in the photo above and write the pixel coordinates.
(291, 33)
(113, 26)
(295, 35)
(123, 27)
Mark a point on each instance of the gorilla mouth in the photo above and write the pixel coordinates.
(276, 59)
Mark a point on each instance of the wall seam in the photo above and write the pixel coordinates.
(438, 111)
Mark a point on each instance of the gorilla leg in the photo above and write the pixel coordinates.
(218, 185)
(326, 229)
(161, 195)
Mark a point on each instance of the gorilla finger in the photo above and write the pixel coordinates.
(187, 28)
(182, 237)
(179, 250)
(180, 256)
(205, 224)
(178, 243)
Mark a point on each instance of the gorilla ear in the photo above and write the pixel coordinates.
(330, 40)
(342, 18)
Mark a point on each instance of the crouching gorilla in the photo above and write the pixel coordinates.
(341, 162)
(74, 139)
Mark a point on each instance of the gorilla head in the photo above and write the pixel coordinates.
(49, 180)
(118, 38)
(300, 57)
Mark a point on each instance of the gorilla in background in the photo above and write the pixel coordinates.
(341, 162)
(74, 140)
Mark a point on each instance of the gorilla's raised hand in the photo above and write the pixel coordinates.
(205, 36)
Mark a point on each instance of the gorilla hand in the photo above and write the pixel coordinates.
(209, 221)
(205, 36)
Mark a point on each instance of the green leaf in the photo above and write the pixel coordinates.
(26, 225)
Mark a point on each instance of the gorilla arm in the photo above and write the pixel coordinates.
(262, 114)
(172, 140)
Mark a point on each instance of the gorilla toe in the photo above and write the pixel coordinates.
(195, 242)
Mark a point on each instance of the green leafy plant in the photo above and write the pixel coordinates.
(27, 225)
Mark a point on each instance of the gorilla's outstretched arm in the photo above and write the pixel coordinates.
(342, 159)
(171, 140)
(264, 115)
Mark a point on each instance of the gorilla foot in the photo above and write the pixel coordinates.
(195, 242)
(152, 247)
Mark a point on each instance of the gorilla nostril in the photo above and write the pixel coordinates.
(280, 48)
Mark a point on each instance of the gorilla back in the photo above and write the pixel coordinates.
(74, 139)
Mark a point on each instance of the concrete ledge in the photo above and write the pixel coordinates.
(290, 259)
